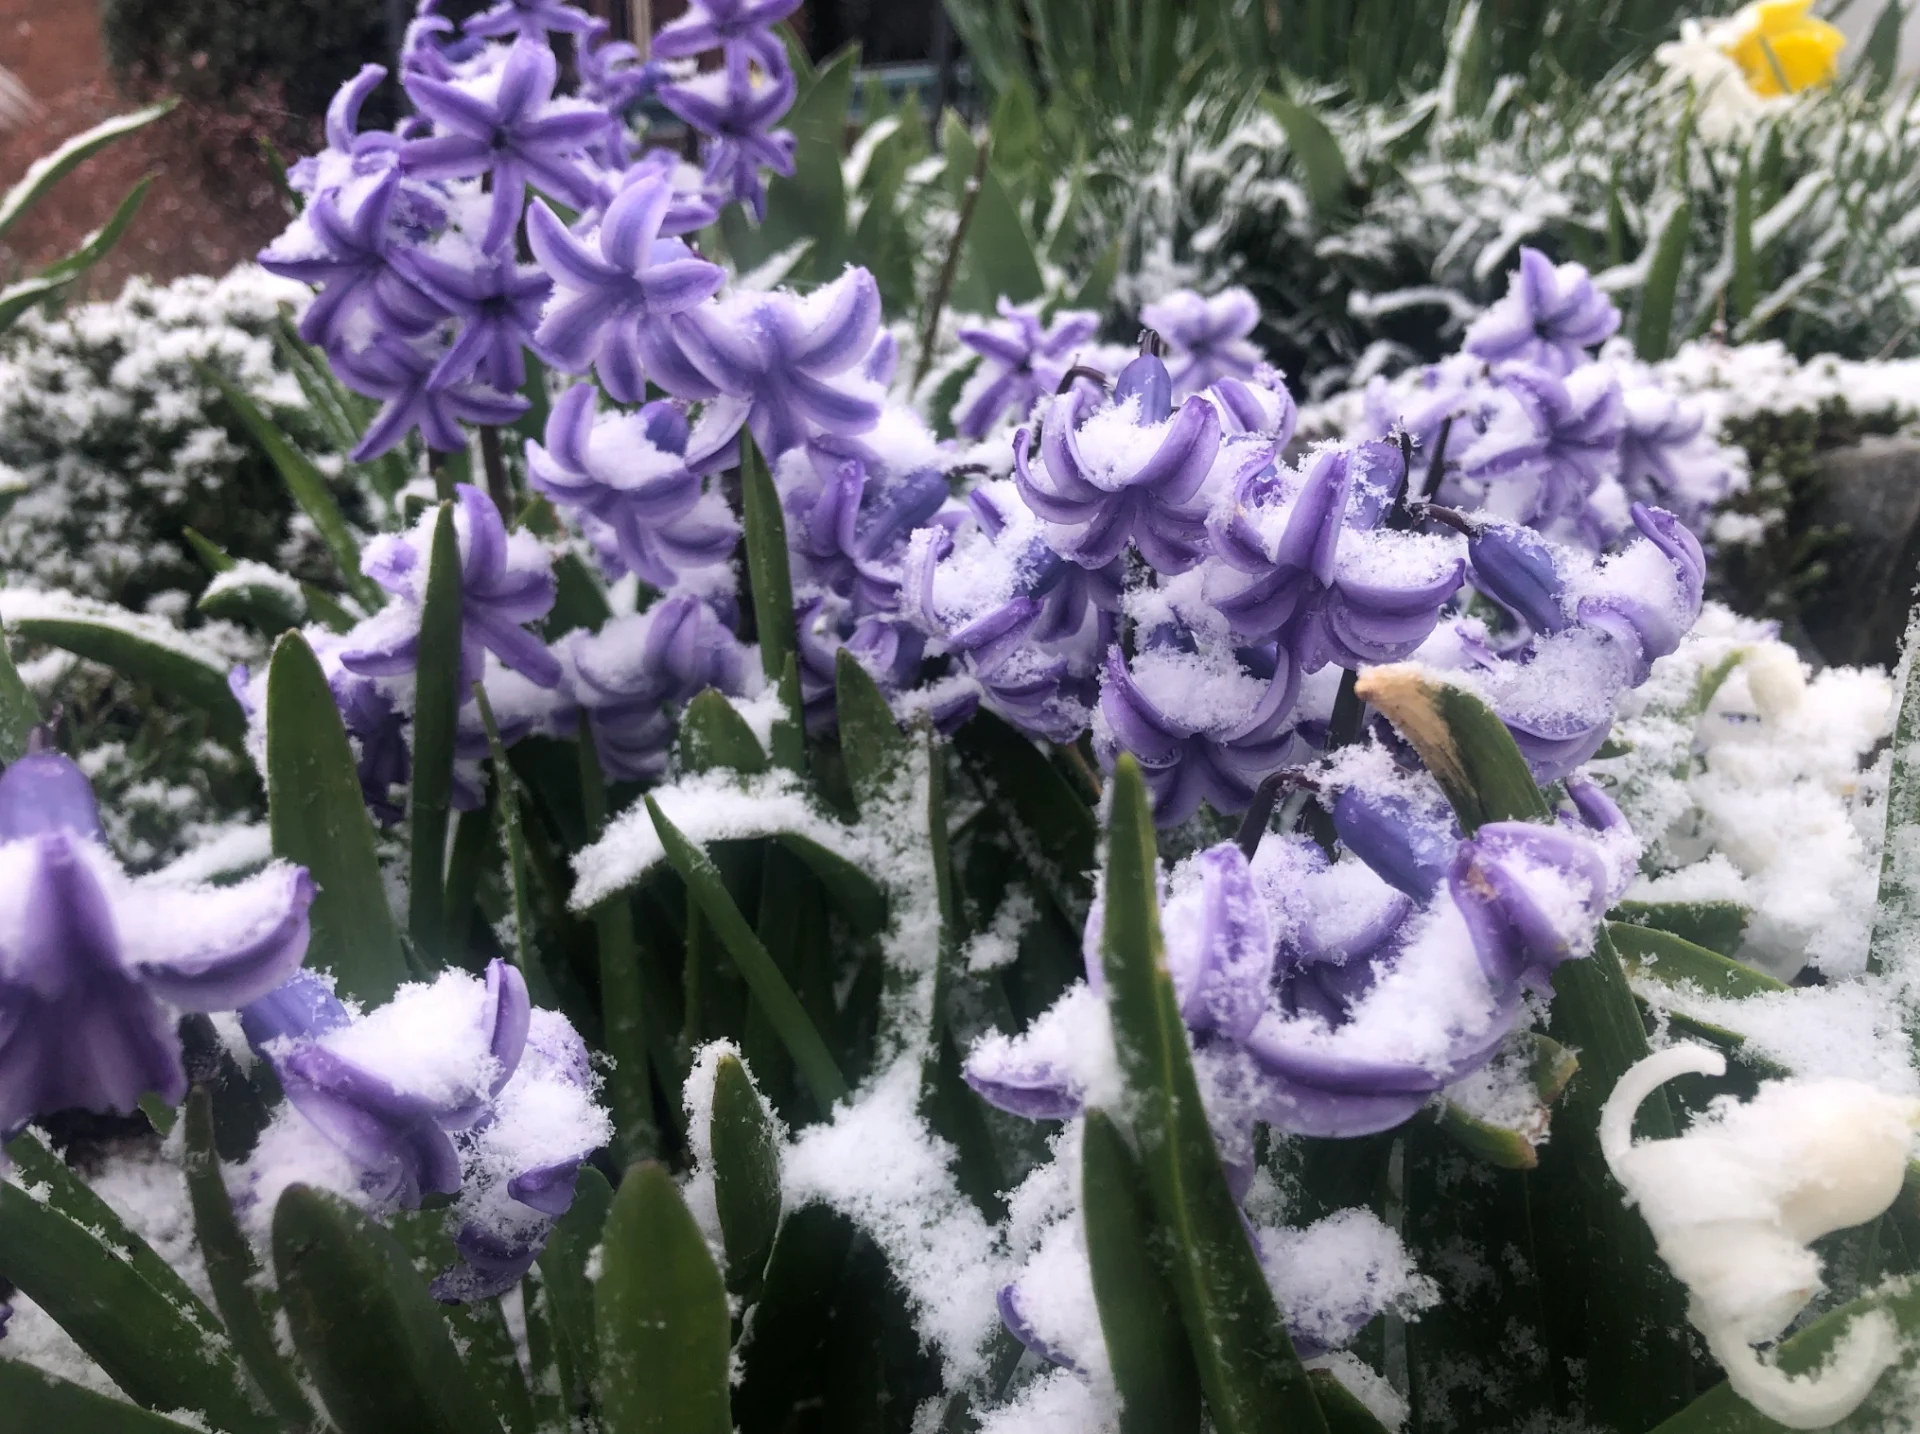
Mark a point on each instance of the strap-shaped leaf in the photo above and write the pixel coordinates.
(16, 298)
(871, 741)
(781, 1350)
(319, 821)
(1253, 1380)
(100, 243)
(661, 1311)
(47, 171)
(1897, 903)
(767, 567)
(232, 1272)
(33, 1400)
(140, 1336)
(436, 718)
(253, 601)
(1152, 1364)
(525, 956)
(370, 1335)
(1323, 169)
(1666, 957)
(307, 485)
(141, 648)
(19, 711)
(715, 737)
(1631, 1328)
(811, 203)
(746, 1175)
(563, 1270)
(1653, 332)
(998, 259)
(783, 1010)
(1743, 289)
(67, 1193)
(1055, 829)
(1716, 925)
(1342, 1409)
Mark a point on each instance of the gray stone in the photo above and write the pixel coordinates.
(1871, 488)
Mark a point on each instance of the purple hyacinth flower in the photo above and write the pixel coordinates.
(741, 29)
(1545, 444)
(1648, 595)
(498, 305)
(508, 126)
(637, 670)
(94, 965)
(530, 18)
(303, 1006)
(1549, 317)
(791, 359)
(506, 580)
(1532, 896)
(691, 209)
(1131, 470)
(1405, 833)
(344, 243)
(1667, 456)
(736, 109)
(848, 519)
(347, 152)
(615, 291)
(1206, 725)
(639, 480)
(1020, 362)
(612, 73)
(1523, 572)
(1206, 338)
(1327, 577)
(403, 377)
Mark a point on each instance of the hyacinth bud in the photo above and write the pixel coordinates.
(1409, 844)
(1146, 379)
(46, 792)
(1520, 570)
(1532, 896)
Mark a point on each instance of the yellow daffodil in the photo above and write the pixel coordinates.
(1780, 48)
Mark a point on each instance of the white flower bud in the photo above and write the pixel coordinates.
(1734, 1203)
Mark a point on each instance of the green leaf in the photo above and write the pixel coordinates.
(1152, 1365)
(232, 1272)
(436, 719)
(47, 171)
(19, 711)
(811, 204)
(1496, 1144)
(1673, 960)
(788, 739)
(140, 1336)
(1879, 58)
(870, 739)
(100, 243)
(319, 821)
(33, 1400)
(508, 797)
(1466, 747)
(661, 1311)
(858, 895)
(1253, 1380)
(1097, 287)
(1716, 925)
(1897, 902)
(563, 1269)
(1653, 335)
(746, 1175)
(1342, 1410)
(1053, 827)
(307, 485)
(1743, 288)
(715, 737)
(141, 649)
(782, 1347)
(369, 1334)
(1323, 169)
(767, 571)
(66, 1193)
(267, 607)
(18, 297)
(776, 998)
(998, 260)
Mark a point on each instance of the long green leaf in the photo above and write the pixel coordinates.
(436, 718)
(368, 1332)
(783, 1009)
(767, 569)
(1897, 903)
(524, 954)
(232, 1271)
(320, 821)
(141, 649)
(307, 485)
(811, 204)
(563, 1270)
(999, 259)
(141, 1337)
(870, 739)
(1669, 958)
(782, 1348)
(715, 737)
(35, 1402)
(1152, 1364)
(47, 171)
(1323, 169)
(1253, 1380)
(1717, 925)
(100, 243)
(1653, 334)
(19, 711)
(1055, 829)
(746, 1175)
(1743, 289)
(661, 1311)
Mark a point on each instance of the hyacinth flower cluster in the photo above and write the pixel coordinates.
(1541, 421)
(455, 1088)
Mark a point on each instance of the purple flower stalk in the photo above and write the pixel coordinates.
(1020, 363)
(96, 965)
(506, 580)
(1549, 318)
(1206, 338)
(617, 289)
(791, 359)
(1127, 471)
(509, 126)
(639, 481)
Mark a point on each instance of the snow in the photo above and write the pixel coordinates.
(1336, 1274)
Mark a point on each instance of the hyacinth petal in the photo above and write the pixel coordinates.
(1532, 896)
(561, 252)
(46, 792)
(547, 1188)
(301, 1008)
(1406, 843)
(391, 1135)
(1137, 724)
(841, 336)
(1185, 456)
(834, 409)
(517, 648)
(221, 975)
(1229, 990)
(526, 80)
(570, 427)
(508, 1013)
(679, 284)
(1010, 1080)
